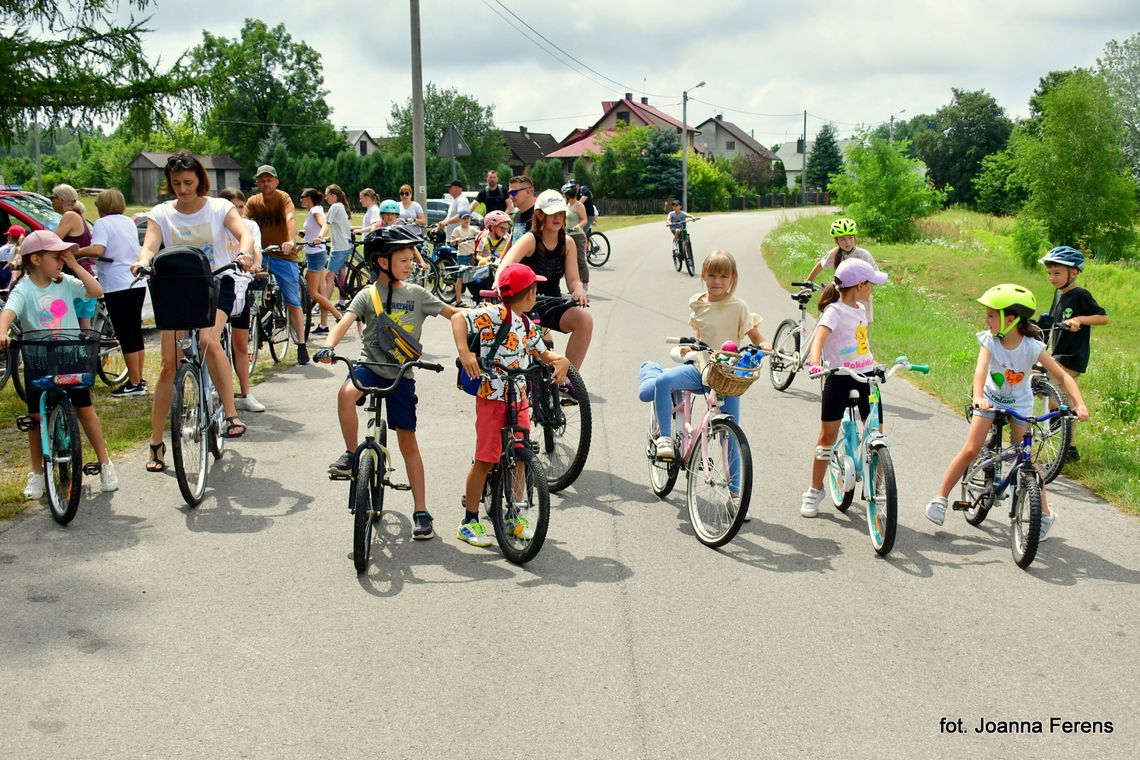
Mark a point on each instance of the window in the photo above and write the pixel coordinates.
(730, 145)
(623, 116)
(363, 148)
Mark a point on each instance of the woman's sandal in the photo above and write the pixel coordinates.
(231, 424)
(157, 462)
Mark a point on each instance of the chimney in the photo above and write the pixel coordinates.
(629, 96)
(720, 117)
(644, 100)
(522, 131)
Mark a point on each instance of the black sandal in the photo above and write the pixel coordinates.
(157, 461)
(234, 422)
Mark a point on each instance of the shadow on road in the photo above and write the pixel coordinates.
(234, 490)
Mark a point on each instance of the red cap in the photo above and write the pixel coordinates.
(515, 278)
(16, 230)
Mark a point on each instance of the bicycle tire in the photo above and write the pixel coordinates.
(254, 345)
(362, 509)
(306, 310)
(279, 330)
(662, 475)
(63, 469)
(17, 375)
(215, 434)
(678, 256)
(1051, 439)
(528, 477)
(836, 467)
(566, 429)
(1025, 520)
(690, 266)
(187, 445)
(597, 249)
(882, 501)
(977, 483)
(112, 366)
(717, 519)
(5, 366)
(785, 352)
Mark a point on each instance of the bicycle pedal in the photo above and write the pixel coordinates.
(92, 468)
(25, 423)
(962, 506)
(397, 486)
(339, 476)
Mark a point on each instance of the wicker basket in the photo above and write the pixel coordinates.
(722, 378)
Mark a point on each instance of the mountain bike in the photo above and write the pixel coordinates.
(865, 457)
(683, 247)
(279, 328)
(714, 451)
(983, 486)
(372, 462)
(54, 362)
(597, 249)
(792, 340)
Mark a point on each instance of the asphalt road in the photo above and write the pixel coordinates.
(240, 629)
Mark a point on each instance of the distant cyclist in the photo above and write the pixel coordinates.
(843, 232)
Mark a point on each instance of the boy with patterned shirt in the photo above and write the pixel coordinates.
(518, 288)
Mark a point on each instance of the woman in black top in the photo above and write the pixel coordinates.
(549, 252)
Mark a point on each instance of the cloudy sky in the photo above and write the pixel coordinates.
(850, 62)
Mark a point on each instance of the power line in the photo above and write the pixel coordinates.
(749, 113)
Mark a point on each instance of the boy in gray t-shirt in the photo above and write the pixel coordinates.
(676, 220)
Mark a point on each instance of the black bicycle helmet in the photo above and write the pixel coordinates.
(382, 242)
(570, 187)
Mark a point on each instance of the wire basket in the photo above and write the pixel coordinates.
(722, 377)
(57, 353)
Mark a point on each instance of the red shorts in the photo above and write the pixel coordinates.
(490, 418)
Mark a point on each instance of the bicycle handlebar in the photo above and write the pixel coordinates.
(1061, 411)
(700, 345)
(403, 370)
(148, 271)
(899, 364)
(809, 285)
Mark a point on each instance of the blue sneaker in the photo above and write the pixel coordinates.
(473, 533)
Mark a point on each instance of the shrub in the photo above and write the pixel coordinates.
(1030, 240)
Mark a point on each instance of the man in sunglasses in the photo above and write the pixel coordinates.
(522, 196)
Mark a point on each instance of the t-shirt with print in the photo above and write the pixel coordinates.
(410, 306)
(521, 340)
(487, 248)
(1010, 370)
(847, 345)
(522, 224)
(120, 238)
(47, 308)
(271, 212)
(464, 240)
(204, 229)
(8, 251)
(1071, 349)
(719, 321)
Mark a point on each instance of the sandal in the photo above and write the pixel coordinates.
(234, 424)
(157, 462)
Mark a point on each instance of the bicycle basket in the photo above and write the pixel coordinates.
(70, 356)
(722, 377)
(183, 291)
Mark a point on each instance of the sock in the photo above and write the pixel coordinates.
(470, 517)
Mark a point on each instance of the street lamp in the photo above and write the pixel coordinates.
(891, 130)
(685, 147)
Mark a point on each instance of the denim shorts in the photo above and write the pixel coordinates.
(317, 261)
(337, 260)
(288, 279)
(401, 403)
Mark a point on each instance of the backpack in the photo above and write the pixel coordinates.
(470, 385)
(391, 337)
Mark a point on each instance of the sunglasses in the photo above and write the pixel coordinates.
(404, 192)
(513, 193)
(181, 162)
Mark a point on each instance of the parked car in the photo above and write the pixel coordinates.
(31, 211)
(436, 212)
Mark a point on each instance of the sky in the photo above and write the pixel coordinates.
(849, 62)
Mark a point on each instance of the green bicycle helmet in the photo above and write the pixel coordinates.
(1015, 299)
(844, 226)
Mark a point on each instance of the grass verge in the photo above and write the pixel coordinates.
(927, 310)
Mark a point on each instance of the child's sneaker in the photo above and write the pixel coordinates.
(521, 525)
(108, 480)
(809, 506)
(35, 487)
(421, 526)
(936, 510)
(342, 465)
(664, 447)
(473, 533)
(1047, 523)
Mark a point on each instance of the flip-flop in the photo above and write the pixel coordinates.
(234, 422)
(157, 461)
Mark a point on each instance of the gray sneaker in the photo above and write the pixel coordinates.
(342, 465)
(1047, 523)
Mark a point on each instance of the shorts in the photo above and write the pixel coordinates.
(490, 418)
(288, 279)
(5, 277)
(317, 262)
(338, 259)
(80, 398)
(836, 392)
(85, 308)
(548, 310)
(401, 403)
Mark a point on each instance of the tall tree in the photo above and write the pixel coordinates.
(262, 79)
(1120, 68)
(80, 65)
(661, 170)
(547, 175)
(753, 172)
(825, 159)
(445, 108)
(972, 126)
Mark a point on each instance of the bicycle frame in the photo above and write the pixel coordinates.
(190, 343)
(1019, 453)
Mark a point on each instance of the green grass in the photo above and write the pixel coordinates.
(927, 311)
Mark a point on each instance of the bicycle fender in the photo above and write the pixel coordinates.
(878, 441)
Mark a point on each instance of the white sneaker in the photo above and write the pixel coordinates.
(809, 507)
(936, 510)
(664, 447)
(1047, 522)
(108, 480)
(249, 404)
(35, 487)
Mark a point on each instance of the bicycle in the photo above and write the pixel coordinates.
(1052, 442)
(792, 339)
(983, 486)
(54, 362)
(280, 328)
(683, 247)
(597, 248)
(112, 367)
(714, 451)
(10, 357)
(372, 462)
(865, 457)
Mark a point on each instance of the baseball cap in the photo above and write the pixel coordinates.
(15, 231)
(550, 202)
(45, 240)
(266, 169)
(455, 183)
(464, 212)
(515, 278)
(854, 271)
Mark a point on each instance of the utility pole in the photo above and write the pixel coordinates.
(803, 162)
(419, 167)
(891, 130)
(39, 164)
(685, 147)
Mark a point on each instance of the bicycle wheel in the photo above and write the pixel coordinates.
(978, 481)
(840, 477)
(188, 446)
(883, 501)
(1052, 438)
(5, 367)
(363, 511)
(215, 434)
(719, 483)
(678, 256)
(566, 423)
(785, 354)
(275, 327)
(63, 463)
(688, 253)
(306, 310)
(254, 349)
(520, 492)
(597, 249)
(448, 272)
(1025, 521)
(112, 366)
(662, 475)
(14, 361)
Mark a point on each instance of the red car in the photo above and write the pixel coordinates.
(31, 211)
